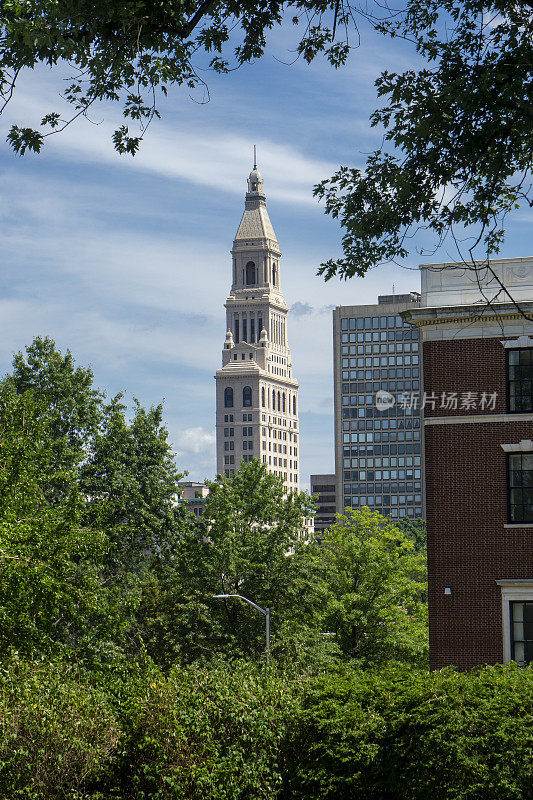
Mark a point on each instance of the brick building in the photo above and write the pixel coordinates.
(478, 441)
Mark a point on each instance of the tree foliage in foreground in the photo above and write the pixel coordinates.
(132, 51)
(399, 734)
(458, 136)
(242, 732)
(458, 126)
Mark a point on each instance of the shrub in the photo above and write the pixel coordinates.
(56, 734)
(208, 734)
(398, 734)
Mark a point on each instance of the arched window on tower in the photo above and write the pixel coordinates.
(263, 396)
(279, 401)
(274, 274)
(283, 402)
(250, 273)
(294, 405)
(228, 397)
(247, 397)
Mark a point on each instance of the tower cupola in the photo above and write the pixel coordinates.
(255, 183)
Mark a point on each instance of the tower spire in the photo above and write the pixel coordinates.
(255, 157)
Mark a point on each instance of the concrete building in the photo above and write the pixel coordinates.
(378, 451)
(478, 429)
(193, 495)
(256, 392)
(323, 488)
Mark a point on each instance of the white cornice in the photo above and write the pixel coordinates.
(460, 314)
(520, 341)
(467, 419)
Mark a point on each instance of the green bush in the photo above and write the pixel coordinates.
(243, 732)
(207, 734)
(404, 735)
(56, 734)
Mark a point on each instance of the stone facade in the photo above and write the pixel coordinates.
(256, 393)
(193, 496)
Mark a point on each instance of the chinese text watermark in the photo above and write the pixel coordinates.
(446, 401)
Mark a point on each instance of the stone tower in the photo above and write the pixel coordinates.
(257, 395)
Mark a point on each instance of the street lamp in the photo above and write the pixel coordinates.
(265, 611)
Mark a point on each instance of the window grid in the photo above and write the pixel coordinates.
(520, 379)
(380, 352)
(521, 632)
(520, 477)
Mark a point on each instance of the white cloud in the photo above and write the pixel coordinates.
(212, 158)
(195, 440)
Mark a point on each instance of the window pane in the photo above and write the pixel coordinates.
(520, 364)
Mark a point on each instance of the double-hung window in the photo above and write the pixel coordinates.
(520, 487)
(521, 632)
(517, 618)
(520, 379)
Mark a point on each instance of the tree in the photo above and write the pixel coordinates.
(459, 132)
(130, 50)
(53, 596)
(370, 590)
(248, 542)
(459, 128)
(125, 470)
(131, 483)
(87, 509)
(70, 402)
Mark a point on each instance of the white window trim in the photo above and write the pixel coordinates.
(512, 590)
(525, 446)
(520, 343)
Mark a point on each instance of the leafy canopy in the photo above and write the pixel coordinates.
(247, 542)
(87, 509)
(370, 590)
(129, 51)
(458, 137)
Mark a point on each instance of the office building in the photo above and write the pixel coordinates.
(323, 490)
(378, 452)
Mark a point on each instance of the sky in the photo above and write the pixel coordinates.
(125, 261)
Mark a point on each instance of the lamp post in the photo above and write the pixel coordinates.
(265, 611)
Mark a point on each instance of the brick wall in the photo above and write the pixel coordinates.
(466, 507)
(468, 546)
(465, 365)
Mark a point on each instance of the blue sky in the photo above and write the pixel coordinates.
(126, 261)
